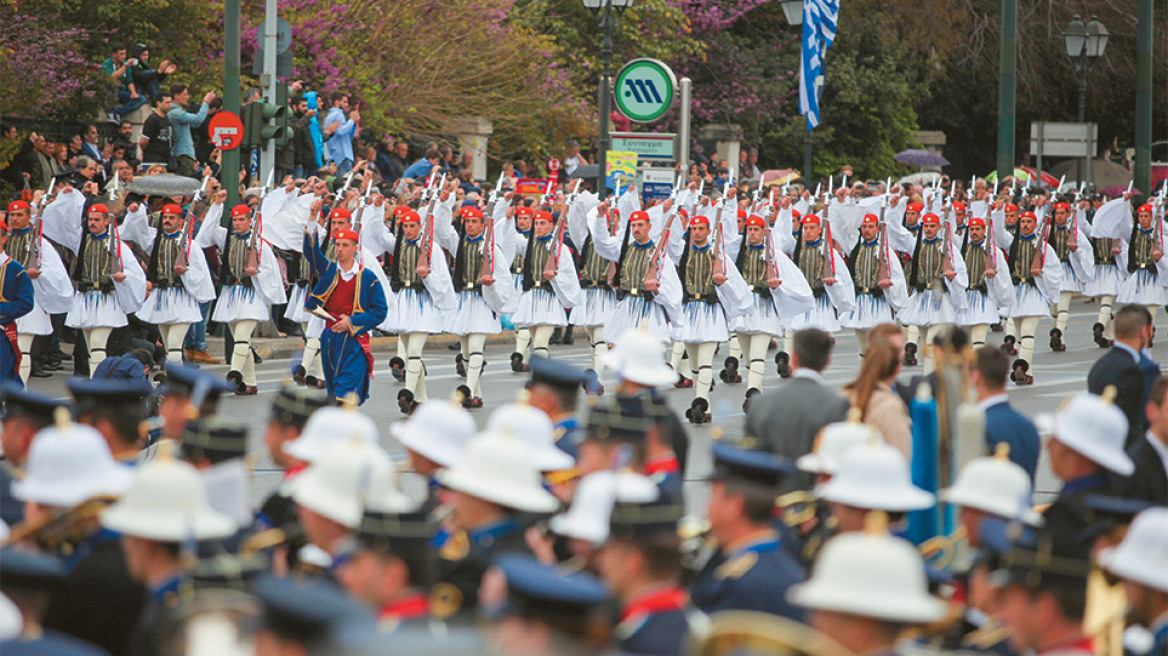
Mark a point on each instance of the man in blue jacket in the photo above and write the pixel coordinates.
(16, 300)
(1004, 423)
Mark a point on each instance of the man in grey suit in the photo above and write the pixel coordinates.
(786, 420)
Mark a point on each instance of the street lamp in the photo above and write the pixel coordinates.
(1085, 43)
(605, 89)
(793, 11)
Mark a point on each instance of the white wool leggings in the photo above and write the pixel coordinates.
(977, 334)
(173, 335)
(472, 354)
(862, 340)
(95, 341)
(754, 351)
(522, 341)
(241, 357)
(1062, 311)
(540, 336)
(1105, 304)
(675, 361)
(702, 355)
(1027, 326)
(25, 344)
(599, 347)
(415, 368)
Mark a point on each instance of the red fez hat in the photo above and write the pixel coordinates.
(399, 210)
(524, 210)
(171, 208)
(1062, 206)
(471, 212)
(684, 212)
(796, 214)
(810, 219)
(542, 216)
(871, 218)
(930, 218)
(240, 210)
(17, 205)
(959, 206)
(639, 215)
(1146, 207)
(98, 207)
(1029, 215)
(1011, 208)
(345, 233)
(699, 221)
(977, 223)
(756, 221)
(915, 207)
(408, 216)
(742, 214)
(340, 213)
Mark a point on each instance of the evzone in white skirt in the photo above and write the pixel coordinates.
(760, 318)
(597, 308)
(637, 313)
(928, 308)
(295, 310)
(471, 315)
(1105, 283)
(1070, 282)
(95, 310)
(414, 311)
(36, 322)
(240, 303)
(1142, 288)
(1028, 302)
(539, 307)
(870, 311)
(704, 322)
(822, 317)
(978, 310)
(170, 306)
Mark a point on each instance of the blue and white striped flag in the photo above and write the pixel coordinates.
(819, 24)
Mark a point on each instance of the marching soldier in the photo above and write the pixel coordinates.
(524, 217)
(109, 282)
(550, 285)
(249, 284)
(1104, 285)
(1036, 273)
(988, 293)
(1147, 270)
(937, 280)
(600, 299)
(177, 278)
(1078, 267)
(483, 284)
(831, 284)
(879, 281)
(52, 288)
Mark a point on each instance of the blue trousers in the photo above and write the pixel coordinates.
(345, 368)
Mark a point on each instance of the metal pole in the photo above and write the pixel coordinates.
(807, 155)
(1142, 173)
(229, 171)
(604, 91)
(684, 129)
(1082, 108)
(268, 159)
(1007, 88)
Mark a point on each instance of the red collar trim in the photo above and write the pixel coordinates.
(1078, 643)
(666, 464)
(413, 605)
(657, 601)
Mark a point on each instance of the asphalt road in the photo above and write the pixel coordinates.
(1057, 376)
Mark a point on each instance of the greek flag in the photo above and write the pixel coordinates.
(819, 24)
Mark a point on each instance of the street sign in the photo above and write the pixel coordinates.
(225, 130)
(283, 35)
(659, 146)
(644, 90)
(1063, 139)
(656, 184)
(553, 166)
(527, 186)
(621, 167)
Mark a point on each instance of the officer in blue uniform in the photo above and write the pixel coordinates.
(188, 392)
(548, 611)
(210, 441)
(751, 569)
(25, 414)
(16, 300)
(641, 564)
(116, 408)
(555, 388)
(26, 578)
(623, 432)
(311, 615)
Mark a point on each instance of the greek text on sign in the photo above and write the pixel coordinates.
(647, 145)
(644, 90)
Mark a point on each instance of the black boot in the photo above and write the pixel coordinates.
(1056, 340)
(1020, 374)
(406, 402)
(1098, 334)
(397, 368)
(683, 382)
(1009, 345)
(517, 363)
(557, 336)
(729, 373)
(568, 339)
(783, 364)
(298, 374)
(460, 365)
(997, 327)
(697, 412)
(910, 355)
(750, 394)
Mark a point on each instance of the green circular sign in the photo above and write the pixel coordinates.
(644, 90)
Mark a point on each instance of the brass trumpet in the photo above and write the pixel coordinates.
(58, 533)
(940, 551)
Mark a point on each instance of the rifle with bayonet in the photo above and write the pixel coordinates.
(184, 251)
(427, 243)
(257, 224)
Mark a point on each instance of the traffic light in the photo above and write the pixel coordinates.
(264, 121)
(281, 121)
